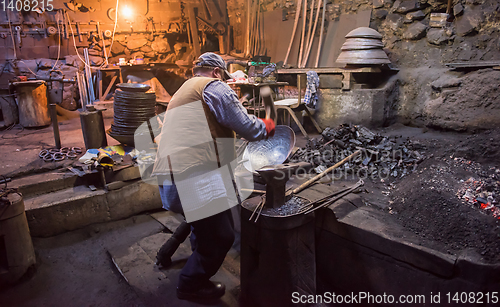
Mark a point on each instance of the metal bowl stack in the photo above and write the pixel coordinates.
(363, 46)
(132, 107)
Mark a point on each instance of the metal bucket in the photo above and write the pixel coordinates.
(32, 101)
(16, 249)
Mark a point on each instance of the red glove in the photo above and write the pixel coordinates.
(269, 126)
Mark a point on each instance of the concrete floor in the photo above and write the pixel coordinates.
(19, 147)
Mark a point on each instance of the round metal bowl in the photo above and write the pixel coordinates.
(133, 87)
(274, 150)
(364, 32)
(368, 57)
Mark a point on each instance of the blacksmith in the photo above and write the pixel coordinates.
(195, 161)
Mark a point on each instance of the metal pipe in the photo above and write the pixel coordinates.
(55, 124)
(84, 107)
(302, 39)
(321, 34)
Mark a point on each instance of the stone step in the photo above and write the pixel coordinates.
(44, 183)
(75, 207)
(49, 182)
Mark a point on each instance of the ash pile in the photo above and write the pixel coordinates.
(382, 157)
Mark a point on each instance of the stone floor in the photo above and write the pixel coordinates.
(19, 147)
(110, 264)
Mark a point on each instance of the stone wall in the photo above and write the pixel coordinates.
(369, 107)
(421, 52)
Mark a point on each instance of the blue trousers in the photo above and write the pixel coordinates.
(211, 239)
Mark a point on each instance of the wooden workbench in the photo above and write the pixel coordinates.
(345, 72)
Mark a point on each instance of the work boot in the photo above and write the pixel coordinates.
(209, 290)
(164, 255)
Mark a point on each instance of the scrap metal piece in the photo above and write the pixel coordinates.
(75, 171)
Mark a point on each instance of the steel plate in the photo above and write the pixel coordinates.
(274, 150)
(133, 87)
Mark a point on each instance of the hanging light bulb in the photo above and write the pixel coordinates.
(127, 12)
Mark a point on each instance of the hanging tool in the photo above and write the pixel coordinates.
(208, 9)
(78, 31)
(43, 27)
(18, 36)
(65, 22)
(101, 37)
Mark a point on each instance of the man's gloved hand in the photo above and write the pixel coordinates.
(269, 126)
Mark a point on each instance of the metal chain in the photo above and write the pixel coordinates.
(183, 15)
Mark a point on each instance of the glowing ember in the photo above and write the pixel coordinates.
(479, 194)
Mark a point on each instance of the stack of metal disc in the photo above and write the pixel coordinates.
(363, 46)
(132, 107)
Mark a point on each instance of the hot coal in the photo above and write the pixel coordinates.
(381, 157)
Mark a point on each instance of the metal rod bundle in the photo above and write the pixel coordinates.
(82, 89)
(88, 77)
(335, 196)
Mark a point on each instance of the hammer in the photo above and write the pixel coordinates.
(267, 97)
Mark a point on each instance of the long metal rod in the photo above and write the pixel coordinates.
(311, 39)
(90, 84)
(302, 39)
(261, 203)
(55, 124)
(331, 201)
(321, 34)
(247, 32)
(323, 173)
(86, 75)
(306, 42)
(84, 90)
(53, 118)
(295, 24)
(79, 83)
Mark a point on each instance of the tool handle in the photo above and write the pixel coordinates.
(323, 173)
